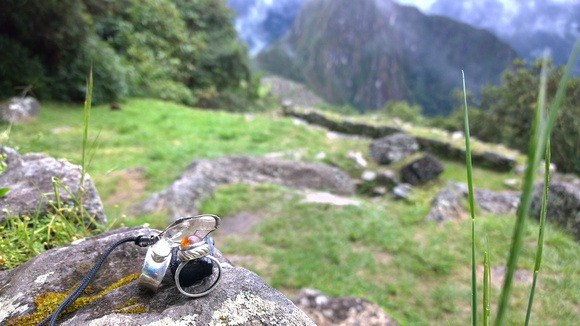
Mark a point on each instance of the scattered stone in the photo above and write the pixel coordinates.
(497, 202)
(512, 183)
(344, 311)
(379, 191)
(393, 148)
(320, 156)
(521, 169)
(369, 176)
(450, 203)
(341, 126)
(494, 160)
(402, 191)
(358, 158)
(242, 297)
(421, 170)
(19, 109)
(29, 178)
(203, 176)
(563, 203)
(447, 205)
(387, 178)
(457, 135)
(330, 199)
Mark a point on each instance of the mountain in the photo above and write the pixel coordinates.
(368, 52)
(527, 26)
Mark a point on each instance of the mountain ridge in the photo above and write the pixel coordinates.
(373, 51)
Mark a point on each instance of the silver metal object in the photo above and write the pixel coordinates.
(159, 254)
(209, 289)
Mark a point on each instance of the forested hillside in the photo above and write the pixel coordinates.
(180, 50)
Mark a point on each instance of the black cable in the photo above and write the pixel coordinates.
(141, 241)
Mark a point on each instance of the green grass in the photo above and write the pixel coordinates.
(164, 138)
(383, 251)
(386, 252)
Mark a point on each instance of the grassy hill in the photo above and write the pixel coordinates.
(383, 250)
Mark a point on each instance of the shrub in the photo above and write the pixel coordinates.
(18, 68)
(111, 74)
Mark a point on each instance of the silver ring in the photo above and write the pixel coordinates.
(211, 288)
(155, 265)
(198, 250)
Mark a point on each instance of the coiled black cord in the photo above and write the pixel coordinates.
(141, 241)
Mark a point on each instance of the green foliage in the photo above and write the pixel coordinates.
(111, 73)
(403, 111)
(169, 49)
(19, 69)
(506, 112)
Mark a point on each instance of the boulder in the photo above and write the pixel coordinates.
(447, 205)
(494, 160)
(19, 109)
(31, 291)
(451, 202)
(29, 178)
(402, 191)
(387, 178)
(345, 311)
(563, 203)
(421, 170)
(203, 176)
(393, 148)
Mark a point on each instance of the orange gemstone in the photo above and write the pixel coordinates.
(189, 240)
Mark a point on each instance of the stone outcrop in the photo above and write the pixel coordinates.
(563, 203)
(31, 291)
(492, 160)
(346, 311)
(19, 109)
(421, 170)
(393, 148)
(203, 176)
(451, 202)
(341, 125)
(30, 179)
(442, 148)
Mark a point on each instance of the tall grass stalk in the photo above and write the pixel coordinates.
(486, 285)
(471, 205)
(541, 130)
(85, 140)
(540, 248)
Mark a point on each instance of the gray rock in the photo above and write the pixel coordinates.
(203, 176)
(387, 178)
(447, 205)
(242, 298)
(421, 170)
(341, 125)
(19, 109)
(393, 148)
(29, 178)
(563, 203)
(497, 202)
(402, 191)
(451, 202)
(494, 160)
(351, 311)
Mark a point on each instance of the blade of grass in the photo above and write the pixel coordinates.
(540, 133)
(540, 248)
(471, 205)
(85, 141)
(486, 285)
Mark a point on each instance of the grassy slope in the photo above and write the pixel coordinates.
(384, 251)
